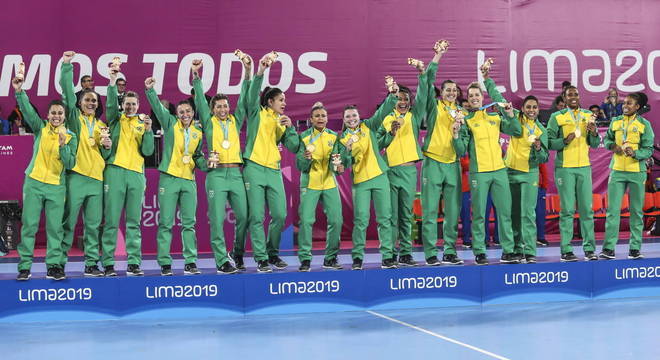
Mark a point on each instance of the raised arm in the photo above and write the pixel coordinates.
(241, 110)
(421, 97)
(68, 96)
(163, 116)
(29, 115)
(201, 105)
(509, 123)
(385, 108)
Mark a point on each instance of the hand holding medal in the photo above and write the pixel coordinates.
(245, 59)
(271, 57)
(485, 68)
(418, 64)
(195, 66)
(213, 160)
(441, 46)
(20, 73)
(391, 85)
(105, 137)
(67, 56)
(147, 121)
(115, 65)
(336, 163)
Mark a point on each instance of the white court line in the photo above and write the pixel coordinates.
(485, 352)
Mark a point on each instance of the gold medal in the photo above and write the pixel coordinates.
(578, 133)
(226, 144)
(625, 146)
(142, 117)
(311, 148)
(355, 138)
(91, 141)
(531, 138)
(186, 159)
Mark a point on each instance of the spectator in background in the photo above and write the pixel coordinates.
(121, 91)
(612, 106)
(601, 120)
(557, 104)
(88, 83)
(5, 125)
(18, 126)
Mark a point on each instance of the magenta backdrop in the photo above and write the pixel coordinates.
(336, 52)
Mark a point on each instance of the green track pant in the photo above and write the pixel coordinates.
(173, 191)
(616, 187)
(440, 180)
(309, 198)
(524, 192)
(377, 188)
(37, 196)
(121, 188)
(572, 184)
(497, 183)
(263, 186)
(222, 185)
(86, 192)
(403, 186)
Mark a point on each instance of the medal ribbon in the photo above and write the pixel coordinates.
(186, 140)
(311, 140)
(90, 125)
(625, 128)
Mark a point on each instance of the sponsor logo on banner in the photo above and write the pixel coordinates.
(6, 150)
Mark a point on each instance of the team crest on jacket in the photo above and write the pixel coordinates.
(635, 129)
(247, 186)
(138, 128)
(211, 193)
(161, 190)
(491, 122)
(330, 143)
(194, 136)
(474, 184)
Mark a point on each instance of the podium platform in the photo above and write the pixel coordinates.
(210, 295)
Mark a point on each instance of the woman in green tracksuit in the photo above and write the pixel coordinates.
(359, 146)
(267, 127)
(224, 181)
(571, 134)
(85, 181)
(523, 156)
(400, 131)
(441, 170)
(182, 152)
(631, 138)
(124, 182)
(318, 160)
(480, 136)
(45, 183)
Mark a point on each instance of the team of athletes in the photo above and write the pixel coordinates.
(80, 162)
